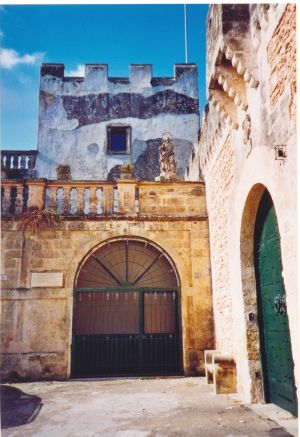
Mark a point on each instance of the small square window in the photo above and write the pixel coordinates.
(118, 140)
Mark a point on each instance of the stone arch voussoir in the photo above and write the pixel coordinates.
(249, 289)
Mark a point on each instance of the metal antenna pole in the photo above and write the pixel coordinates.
(185, 35)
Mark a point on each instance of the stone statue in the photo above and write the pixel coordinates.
(247, 134)
(167, 160)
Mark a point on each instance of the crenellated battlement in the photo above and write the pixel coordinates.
(76, 115)
(138, 73)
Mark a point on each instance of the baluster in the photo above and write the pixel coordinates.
(66, 200)
(80, 201)
(60, 200)
(19, 199)
(73, 201)
(137, 200)
(31, 162)
(116, 207)
(25, 197)
(15, 162)
(6, 200)
(52, 198)
(99, 193)
(23, 162)
(93, 200)
(31, 166)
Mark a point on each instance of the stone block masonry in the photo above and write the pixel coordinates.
(251, 87)
(282, 53)
(37, 295)
(219, 192)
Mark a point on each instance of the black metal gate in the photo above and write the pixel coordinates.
(126, 330)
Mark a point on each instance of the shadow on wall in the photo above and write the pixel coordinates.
(17, 407)
(146, 166)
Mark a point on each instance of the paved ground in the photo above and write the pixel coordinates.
(171, 407)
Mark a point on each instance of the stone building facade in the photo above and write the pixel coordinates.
(79, 118)
(144, 237)
(246, 147)
(239, 195)
(40, 270)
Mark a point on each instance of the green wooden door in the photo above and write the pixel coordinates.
(276, 354)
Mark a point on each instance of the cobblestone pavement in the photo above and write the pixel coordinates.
(159, 407)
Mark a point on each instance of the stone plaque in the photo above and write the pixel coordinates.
(47, 279)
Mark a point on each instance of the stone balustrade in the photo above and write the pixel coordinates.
(101, 198)
(17, 164)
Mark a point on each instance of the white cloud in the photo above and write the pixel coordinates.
(9, 58)
(78, 72)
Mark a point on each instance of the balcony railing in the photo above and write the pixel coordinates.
(17, 164)
(91, 199)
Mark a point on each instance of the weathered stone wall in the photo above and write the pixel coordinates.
(166, 199)
(222, 175)
(282, 53)
(74, 114)
(251, 87)
(39, 271)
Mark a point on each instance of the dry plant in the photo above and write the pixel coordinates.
(37, 219)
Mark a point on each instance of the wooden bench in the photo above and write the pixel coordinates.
(220, 370)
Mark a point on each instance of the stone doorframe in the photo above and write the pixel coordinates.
(244, 203)
(249, 295)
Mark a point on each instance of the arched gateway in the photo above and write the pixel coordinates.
(126, 315)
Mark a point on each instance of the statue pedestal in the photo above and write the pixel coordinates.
(167, 176)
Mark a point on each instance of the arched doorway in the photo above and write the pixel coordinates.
(126, 312)
(276, 353)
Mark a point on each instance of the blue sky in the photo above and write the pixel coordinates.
(78, 34)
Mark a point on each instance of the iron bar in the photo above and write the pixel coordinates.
(126, 261)
(106, 269)
(126, 288)
(148, 268)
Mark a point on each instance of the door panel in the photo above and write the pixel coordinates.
(160, 354)
(274, 328)
(126, 333)
(107, 313)
(159, 312)
(96, 355)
